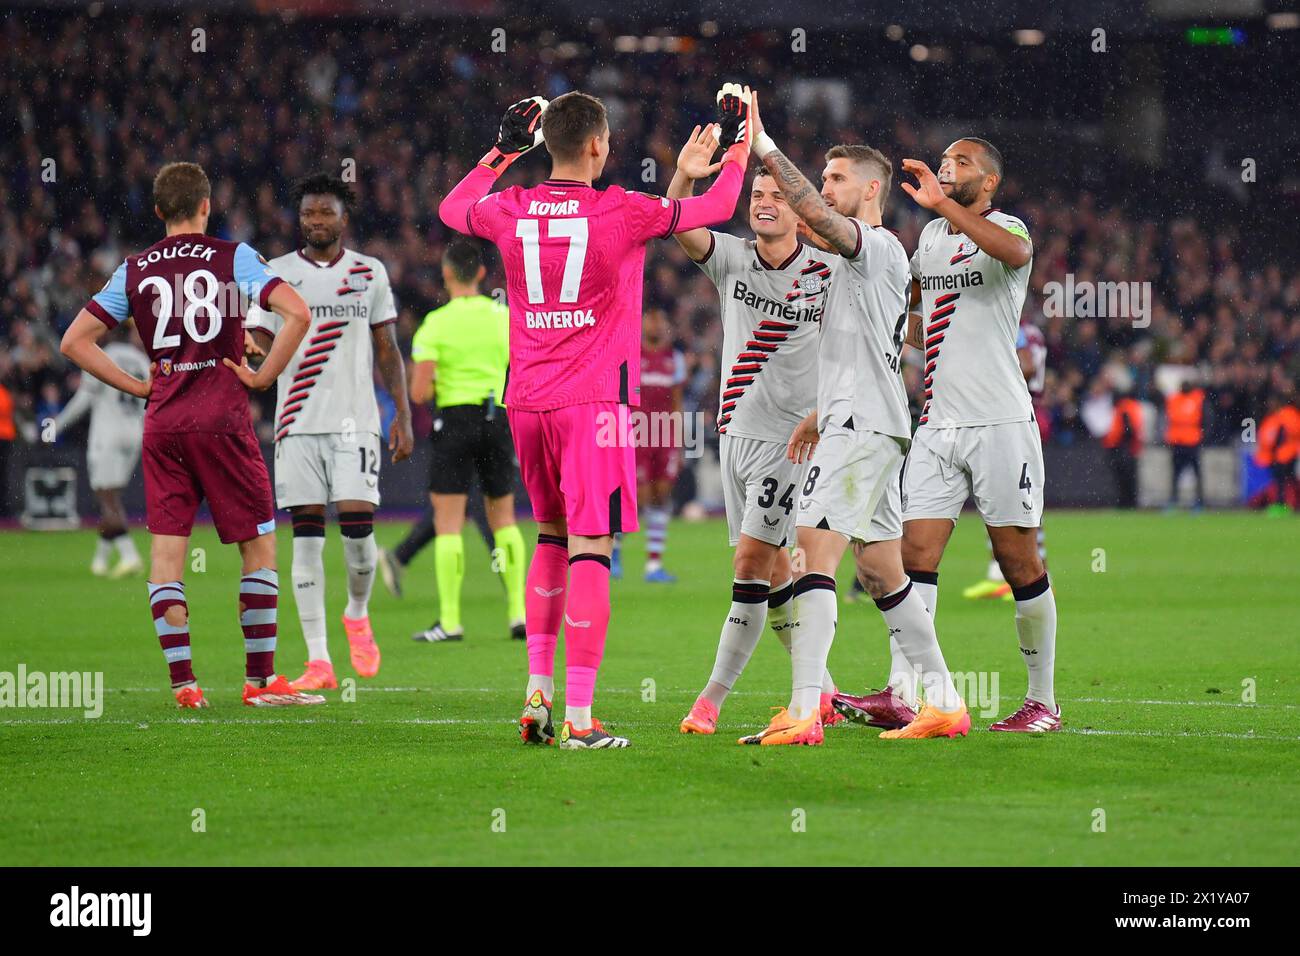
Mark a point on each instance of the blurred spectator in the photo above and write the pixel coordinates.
(1184, 416)
(1124, 439)
(1279, 447)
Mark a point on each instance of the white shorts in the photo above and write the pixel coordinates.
(760, 487)
(1001, 465)
(111, 459)
(318, 469)
(887, 519)
(848, 481)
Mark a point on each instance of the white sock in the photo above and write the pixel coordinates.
(580, 717)
(543, 682)
(740, 633)
(780, 617)
(656, 537)
(360, 555)
(103, 550)
(913, 628)
(309, 594)
(126, 547)
(902, 675)
(816, 607)
(995, 570)
(1036, 627)
(929, 591)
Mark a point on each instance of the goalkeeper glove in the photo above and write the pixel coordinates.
(734, 129)
(521, 130)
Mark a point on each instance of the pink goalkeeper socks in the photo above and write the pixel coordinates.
(544, 601)
(586, 619)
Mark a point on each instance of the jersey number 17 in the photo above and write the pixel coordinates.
(575, 230)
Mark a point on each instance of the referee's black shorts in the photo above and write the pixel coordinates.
(468, 439)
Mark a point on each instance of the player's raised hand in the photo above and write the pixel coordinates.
(803, 440)
(693, 160)
(250, 379)
(927, 192)
(401, 439)
(521, 127)
(733, 116)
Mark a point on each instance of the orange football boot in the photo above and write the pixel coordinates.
(278, 693)
(933, 722)
(319, 675)
(784, 729)
(361, 642)
(703, 718)
(190, 697)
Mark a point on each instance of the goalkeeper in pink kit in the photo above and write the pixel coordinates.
(574, 258)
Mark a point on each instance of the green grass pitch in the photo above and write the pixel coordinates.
(425, 766)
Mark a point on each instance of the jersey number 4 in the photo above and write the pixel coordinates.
(575, 230)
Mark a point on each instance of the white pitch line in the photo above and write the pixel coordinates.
(453, 721)
(1108, 701)
(1181, 703)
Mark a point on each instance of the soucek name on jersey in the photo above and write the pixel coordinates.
(771, 319)
(328, 386)
(970, 315)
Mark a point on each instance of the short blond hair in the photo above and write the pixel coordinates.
(879, 164)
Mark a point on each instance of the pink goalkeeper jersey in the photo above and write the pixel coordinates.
(574, 257)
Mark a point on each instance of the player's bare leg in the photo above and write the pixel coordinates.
(360, 556)
(309, 596)
(171, 616)
(508, 558)
(1018, 555)
(994, 584)
(449, 567)
(259, 591)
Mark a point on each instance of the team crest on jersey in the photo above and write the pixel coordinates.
(357, 280)
(165, 366)
(810, 285)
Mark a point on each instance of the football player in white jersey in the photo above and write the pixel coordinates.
(327, 419)
(772, 291)
(112, 449)
(1031, 349)
(977, 434)
(857, 437)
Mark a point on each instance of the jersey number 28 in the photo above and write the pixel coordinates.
(194, 304)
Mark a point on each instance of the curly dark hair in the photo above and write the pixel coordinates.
(318, 184)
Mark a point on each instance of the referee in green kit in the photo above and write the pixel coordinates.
(461, 351)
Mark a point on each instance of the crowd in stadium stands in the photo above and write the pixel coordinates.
(92, 113)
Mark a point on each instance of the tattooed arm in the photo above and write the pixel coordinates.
(802, 196)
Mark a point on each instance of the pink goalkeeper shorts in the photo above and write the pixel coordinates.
(579, 465)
